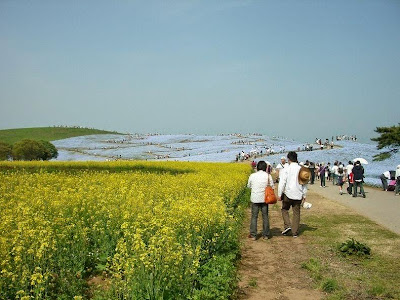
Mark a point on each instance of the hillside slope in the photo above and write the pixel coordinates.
(10, 136)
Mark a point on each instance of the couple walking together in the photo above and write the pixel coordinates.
(292, 191)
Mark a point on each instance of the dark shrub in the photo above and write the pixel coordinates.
(51, 150)
(5, 151)
(33, 150)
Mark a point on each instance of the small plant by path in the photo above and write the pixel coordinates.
(353, 247)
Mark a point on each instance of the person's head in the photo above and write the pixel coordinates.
(283, 160)
(262, 165)
(357, 163)
(350, 162)
(292, 156)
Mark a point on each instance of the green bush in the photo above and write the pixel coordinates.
(5, 151)
(51, 150)
(217, 278)
(353, 247)
(33, 150)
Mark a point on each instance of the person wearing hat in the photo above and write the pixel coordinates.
(292, 190)
(397, 189)
(280, 167)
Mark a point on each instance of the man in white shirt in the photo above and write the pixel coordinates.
(292, 193)
(279, 168)
(335, 173)
(258, 182)
(349, 168)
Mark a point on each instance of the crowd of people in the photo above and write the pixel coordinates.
(345, 137)
(292, 187)
(266, 150)
(259, 151)
(339, 174)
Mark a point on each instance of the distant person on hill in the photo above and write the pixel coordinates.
(385, 176)
(258, 181)
(358, 172)
(397, 189)
(292, 191)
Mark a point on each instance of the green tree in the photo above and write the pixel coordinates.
(28, 150)
(5, 151)
(389, 138)
(51, 150)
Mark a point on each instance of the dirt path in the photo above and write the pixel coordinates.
(263, 272)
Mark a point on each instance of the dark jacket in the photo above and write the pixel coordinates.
(358, 172)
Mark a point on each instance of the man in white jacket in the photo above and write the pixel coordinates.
(292, 193)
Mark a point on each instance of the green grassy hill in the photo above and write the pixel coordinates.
(10, 136)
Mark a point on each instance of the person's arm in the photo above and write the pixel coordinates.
(304, 191)
(249, 182)
(271, 181)
(282, 183)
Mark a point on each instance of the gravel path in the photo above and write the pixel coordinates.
(379, 206)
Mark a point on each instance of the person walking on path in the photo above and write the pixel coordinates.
(292, 193)
(258, 181)
(349, 167)
(340, 180)
(335, 174)
(358, 172)
(397, 189)
(385, 176)
(312, 169)
(322, 171)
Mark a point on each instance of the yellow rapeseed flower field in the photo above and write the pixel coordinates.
(147, 228)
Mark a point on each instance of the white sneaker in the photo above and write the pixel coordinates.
(286, 230)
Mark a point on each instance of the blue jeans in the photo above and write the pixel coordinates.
(255, 207)
(334, 179)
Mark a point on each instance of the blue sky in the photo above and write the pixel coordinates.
(299, 69)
